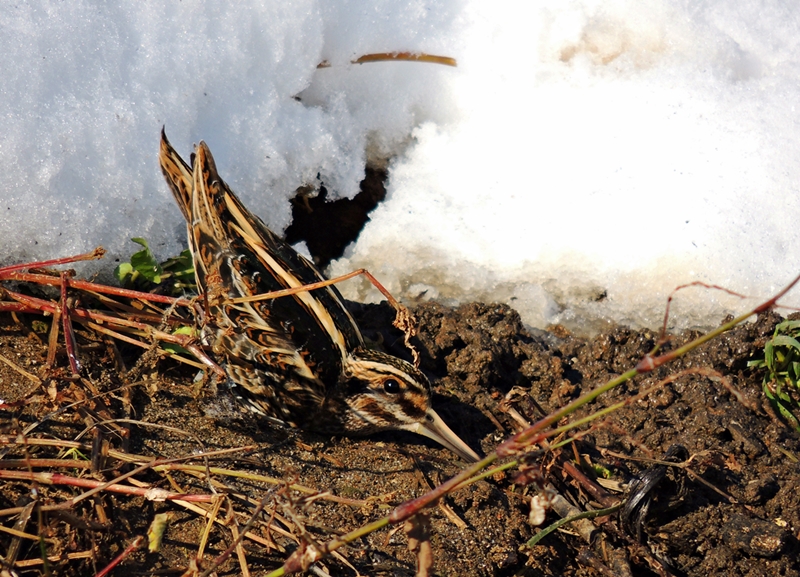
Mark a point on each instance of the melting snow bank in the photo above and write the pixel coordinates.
(583, 160)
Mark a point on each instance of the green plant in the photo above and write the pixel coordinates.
(782, 363)
(175, 275)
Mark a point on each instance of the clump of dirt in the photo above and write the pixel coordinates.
(731, 507)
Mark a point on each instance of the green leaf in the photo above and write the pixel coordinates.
(185, 330)
(181, 268)
(174, 349)
(787, 327)
(794, 372)
(145, 263)
(782, 361)
(785, 341)
(769, 356)
(123, 271)
(143, 272)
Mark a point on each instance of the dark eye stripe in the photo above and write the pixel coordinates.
(301, 357)
(372, 412)
(410, 408)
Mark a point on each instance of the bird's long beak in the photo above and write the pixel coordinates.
(435, 428)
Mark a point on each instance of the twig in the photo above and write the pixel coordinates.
(135, 544)
(398, 57)
(69, 334)
(20, 370)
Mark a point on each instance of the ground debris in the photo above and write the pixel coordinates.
(732, 508)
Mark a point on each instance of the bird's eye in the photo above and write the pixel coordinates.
(391, 386)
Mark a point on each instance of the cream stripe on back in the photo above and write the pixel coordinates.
(313, 304)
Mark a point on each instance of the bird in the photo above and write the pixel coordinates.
(299, 359)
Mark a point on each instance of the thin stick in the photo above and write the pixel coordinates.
(69, 334)
(20, 370)
(185, 341)
(52, 337)
(406, 56)
(97, 253)
(398, 57)
(205, 362)
(663, 334)
(135, 544)
(536, 433)
(93, 287)
(211, 518)
(319, 285)
(151, 493)
(403, 320)
(238, 538)
(90, 554)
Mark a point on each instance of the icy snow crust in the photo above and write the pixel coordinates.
(584, 159)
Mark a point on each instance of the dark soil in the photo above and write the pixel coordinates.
(733, 510)
(313, 213)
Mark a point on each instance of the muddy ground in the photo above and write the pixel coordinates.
(733, 510)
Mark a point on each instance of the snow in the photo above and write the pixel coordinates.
(583, 159)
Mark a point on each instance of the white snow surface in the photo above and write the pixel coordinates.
(583, 159)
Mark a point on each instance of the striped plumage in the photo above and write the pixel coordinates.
(298, 358)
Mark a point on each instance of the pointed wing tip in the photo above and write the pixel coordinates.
(166, 147)
(202, 157)
(202, 150)
(166, 152)
(177, 174)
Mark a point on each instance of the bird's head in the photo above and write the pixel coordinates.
(384, 392)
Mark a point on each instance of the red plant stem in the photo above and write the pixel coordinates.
(97, 253)
(151, 493)
(69, 334)
(320, 284)
(27, 307)
(135, 544)
(536, 432)
(41, 305)
(410, 508)
(7, 307)
(649, 363)
(188, 342)
(90, 286)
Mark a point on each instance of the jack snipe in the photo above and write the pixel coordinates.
(298, 358)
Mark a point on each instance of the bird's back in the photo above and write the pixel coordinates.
(288, 351)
